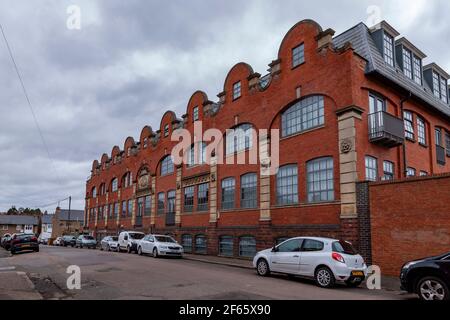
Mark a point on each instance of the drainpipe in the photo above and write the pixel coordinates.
(405, 170)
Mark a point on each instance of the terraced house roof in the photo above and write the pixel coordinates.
(18, 220)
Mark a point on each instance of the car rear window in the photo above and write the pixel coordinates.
(89, 237)
(115, 238)
(137, 236)
(343, 247)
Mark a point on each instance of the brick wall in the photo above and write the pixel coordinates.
(410, 219)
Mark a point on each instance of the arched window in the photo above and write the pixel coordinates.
(186, 242)
(167, 166)
(94, 192)
(247, 246)
(320, 180)
(114, 185)
(304, 115)
(226, 246)
(200, 244)
(196, 154)
(239, 139)
(287, 185)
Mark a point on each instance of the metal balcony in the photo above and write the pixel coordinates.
(385, 129)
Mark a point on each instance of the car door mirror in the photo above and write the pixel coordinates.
(274, 249)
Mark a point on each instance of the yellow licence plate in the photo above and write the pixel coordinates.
(357, 273)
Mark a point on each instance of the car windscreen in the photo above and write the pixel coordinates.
(89, 237)
(114, 238)
(165, 239)
(343, 247)
(137, 236)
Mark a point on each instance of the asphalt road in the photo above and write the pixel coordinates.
(111, 275)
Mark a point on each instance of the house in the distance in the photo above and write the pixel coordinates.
(18, 224)
(46, 227)
(66, 221)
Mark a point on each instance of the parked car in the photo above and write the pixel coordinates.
(43, 240)
(85, 241)
(429, 277)
(128, 240)
(68, 241)
(325, 260)
(109, 243)
(24, 242)
(4, 242)
(160, 245)
(57, 241)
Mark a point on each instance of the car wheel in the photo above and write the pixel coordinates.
(353, 284)
(108, 248)
(324, 277)
(432, 288)
(155, 253)
(129, 249)
(262, 268)
(12, 251)
(140, 251)
(36, 250)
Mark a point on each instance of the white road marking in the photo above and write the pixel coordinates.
(7, 268)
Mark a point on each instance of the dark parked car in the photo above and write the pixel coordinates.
(429, 277)
(5, 241)
(24, 242)
(68, 241)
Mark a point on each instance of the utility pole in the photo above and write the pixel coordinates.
(68, 218)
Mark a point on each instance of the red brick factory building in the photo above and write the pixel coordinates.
(359, 106)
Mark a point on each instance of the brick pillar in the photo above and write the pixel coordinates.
(365, 231)
(105, 213)
(264, 238)
(178, 198)
(88, 213)
(155, 200)
(119, 203)
(213, 192)
(264, 179)
(212, 240)
(347, 118)
(133, 202)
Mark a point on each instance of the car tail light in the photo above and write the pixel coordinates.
(336, 256)
(33, 239)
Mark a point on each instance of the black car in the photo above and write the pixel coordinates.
(68, 241)
(429, 277)
(24, 242)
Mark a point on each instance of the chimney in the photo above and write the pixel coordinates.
(325, 38)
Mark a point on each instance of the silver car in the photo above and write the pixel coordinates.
(84, 241)
(160, 245)
(326, 260)
(109, 243)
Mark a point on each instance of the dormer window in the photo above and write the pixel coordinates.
(166, 130)
(440, 87)
(195, 114)
(417, 68)
(298, 55)
(444, 95)
(407, 63)
(436, 85)
(236, 90)
(388, 49)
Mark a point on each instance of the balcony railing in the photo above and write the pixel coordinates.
(440, 155)
(385, 129)
(170, 219)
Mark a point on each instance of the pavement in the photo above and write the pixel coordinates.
(111, 275)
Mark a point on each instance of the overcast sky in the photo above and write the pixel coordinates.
(130, 61)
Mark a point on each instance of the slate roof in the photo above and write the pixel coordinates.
(18, 219)
(75, 215)
(364, 45)
(47, 218)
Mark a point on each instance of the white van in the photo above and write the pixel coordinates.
(128, 241)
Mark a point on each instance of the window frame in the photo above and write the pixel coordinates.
(171, 201)
(311, 182)
(229, 244)
(201, 249)
(292, 197)
(167, 167)
(368, 170)
(249, 190)
(228, 193)
(195, 114)
(388, 175)
(161, 204)
(188, 207)
(411, 172)
(388, 49)
(298, 55)
(243, 247)
(237, 90)
(203, 197)
(302, 116)
(407, 63)
(421, 131)
(408, 124)
(187, 248)
(239, 139)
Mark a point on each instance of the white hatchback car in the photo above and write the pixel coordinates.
(325, 260)
(160, 245)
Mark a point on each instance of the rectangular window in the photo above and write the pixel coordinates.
(436, 85)
(410, 172)
(195, 114)
(167, 166)
(148, 206)
(228, 185)
(298, 55)
(444, 89)
(320, 181)
(388, 49)
(304, 115)
(447, 143)
(202, 197)
(111, 210)
(421, 133)
(407, 63)
(130, 208)
(124, 209)
(371, 168)
(248, 191)
(236, 90)
(388, 170)
(161, 200)
(116, 210)
(438, 136)
(166, 130)
(114, 185)
(423, 173)
(226, 246)
(409, 126)
(140, 207)
(189, 199)
(287, 185)
(171, 201)
(417, 70)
